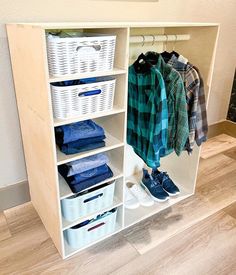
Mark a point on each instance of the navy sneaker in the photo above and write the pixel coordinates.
(166, 182)
(153, 188)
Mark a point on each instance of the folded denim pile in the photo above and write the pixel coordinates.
(84, 173)
(79, 137)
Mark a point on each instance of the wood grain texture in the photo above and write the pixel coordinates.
(231, 210)
(219, 192)
(102, 258)
(201, 249)
(28, 56)
(148, 234)
(231, 153)
(22, 218)
(79, 25)
(4, 230)
(213, 168)
(217, 145)
(27, 250)
(31, 251)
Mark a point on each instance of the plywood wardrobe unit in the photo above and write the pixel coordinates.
(27, 44)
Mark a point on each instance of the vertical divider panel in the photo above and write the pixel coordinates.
(125, 85)
(29, 63)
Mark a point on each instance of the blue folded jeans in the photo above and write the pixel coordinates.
(94, 172)
(81, 143)
(78, 187)
(85, 164)
(69, 150)
(79, 130)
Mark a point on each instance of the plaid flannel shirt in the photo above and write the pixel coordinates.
(147, 120)
(192, 85)
(201, 121)
(178, 128)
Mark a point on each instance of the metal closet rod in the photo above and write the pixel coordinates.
(158, 38)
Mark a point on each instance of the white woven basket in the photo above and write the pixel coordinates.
(76, 207)
(87, 53)
(79, 237)
(72, 101)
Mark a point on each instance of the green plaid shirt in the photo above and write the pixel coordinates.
(192, 85)
(147, 121)
(178, 128)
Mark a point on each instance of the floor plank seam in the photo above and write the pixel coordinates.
(139, 254)
(187, 227)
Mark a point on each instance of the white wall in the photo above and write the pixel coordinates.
(12, 167)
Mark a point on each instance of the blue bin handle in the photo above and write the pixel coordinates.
(96, 226)
(89, 93)
(93, 198)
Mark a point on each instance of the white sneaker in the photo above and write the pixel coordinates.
(131, 201)
(142, 196)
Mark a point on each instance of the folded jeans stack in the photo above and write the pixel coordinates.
(84, 173)
(79, 137)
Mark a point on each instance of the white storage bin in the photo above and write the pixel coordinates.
(79, 237)
(76, 100)
(79, 206)
(82, 53)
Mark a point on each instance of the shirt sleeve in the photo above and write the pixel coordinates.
(182, 126)
(201, 118)
(192, 84)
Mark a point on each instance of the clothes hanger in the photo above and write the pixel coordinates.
(166, 55)
(173, 51)
(165, 45)
(151, 56)
(153, 39)
(141, 65)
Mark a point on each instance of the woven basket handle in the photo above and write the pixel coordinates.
(96, 47)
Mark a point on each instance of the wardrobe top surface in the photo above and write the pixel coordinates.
(71, 25)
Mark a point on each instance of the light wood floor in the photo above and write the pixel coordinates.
(204, 225)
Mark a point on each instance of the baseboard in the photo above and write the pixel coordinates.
(222, 127)
(230, 128)
(14, 195)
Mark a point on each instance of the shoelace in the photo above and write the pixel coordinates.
(162, 178)
(157, 177)
(166, 179)
(155, 184)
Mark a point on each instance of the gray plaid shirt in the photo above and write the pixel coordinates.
(201, 120)
(195, 101)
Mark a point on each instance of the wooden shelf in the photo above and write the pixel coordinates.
(114, 111)
(66, 192)
(134, 24)
(134, 216)
(111, 143)
(67, 224)
(115, 71)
